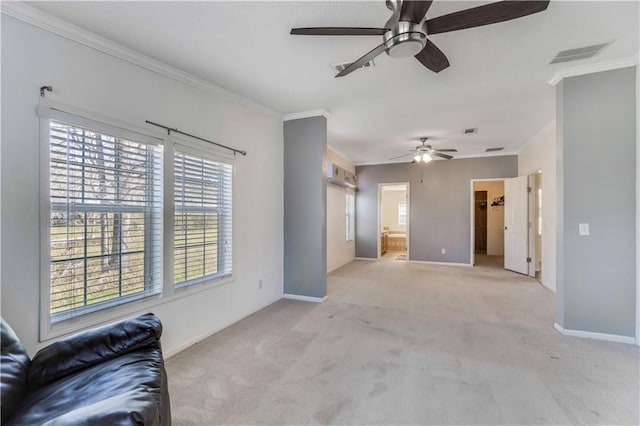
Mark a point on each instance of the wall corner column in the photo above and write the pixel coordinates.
(305, 207)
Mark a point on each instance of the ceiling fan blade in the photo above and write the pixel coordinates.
(438, 154)
(400, 156)
(484, 15)
(447, 150)
(432, 57)
(414, 10)
(360, 62)
(338, 31)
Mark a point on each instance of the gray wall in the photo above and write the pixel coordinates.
(305, 206)
(439, 204)
(598, 165)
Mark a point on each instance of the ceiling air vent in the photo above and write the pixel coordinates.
(341, 67)
(579, 53)
(470, 131)
(494, 149)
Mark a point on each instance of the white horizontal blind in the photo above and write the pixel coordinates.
(402, 213)
(105, 219)
(350, 208)
(203, 218)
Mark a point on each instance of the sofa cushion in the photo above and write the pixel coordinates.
(94, 346)
(126, 390)
(14, 368)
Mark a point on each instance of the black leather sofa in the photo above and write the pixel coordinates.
(112, 375)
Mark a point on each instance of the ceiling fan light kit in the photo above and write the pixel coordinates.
(405, 40)
(405, 33)
(422, 158)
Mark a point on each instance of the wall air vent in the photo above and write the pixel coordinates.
(470, 131)
(494, 149)
(341, 67)
(579, 53)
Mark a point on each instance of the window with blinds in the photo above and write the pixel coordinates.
(203, 218)
(402, 213)
(105, 219)
(350, 208)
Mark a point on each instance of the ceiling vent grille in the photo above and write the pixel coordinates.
(341, 67)
(494, 149)
(579, 53)
(470, 131)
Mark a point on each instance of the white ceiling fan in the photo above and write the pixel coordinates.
(425, 153)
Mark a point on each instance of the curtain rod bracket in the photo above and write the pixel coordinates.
(47, 88)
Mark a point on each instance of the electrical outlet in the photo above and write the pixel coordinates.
(443, 251)
(260, 284)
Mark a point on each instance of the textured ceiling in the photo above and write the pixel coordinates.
(496, 82)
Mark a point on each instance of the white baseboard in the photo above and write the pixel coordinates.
(305, 298)
(191, 342)
(593, 335)
(428, 262)
(366, 258)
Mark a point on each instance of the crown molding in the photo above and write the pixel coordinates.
(306, 114)
(62, 28)
(591, 68)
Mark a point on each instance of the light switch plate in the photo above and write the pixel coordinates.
(583, 229)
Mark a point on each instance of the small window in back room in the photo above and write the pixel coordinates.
(350, 207)
(402, 213)
(539, 200)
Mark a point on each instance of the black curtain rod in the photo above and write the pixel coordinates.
(171, 129)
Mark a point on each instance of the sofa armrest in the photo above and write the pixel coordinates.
(94, 346)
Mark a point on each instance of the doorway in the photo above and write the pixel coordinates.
(520, 220)
(487, 222)
(480, 222)
(393, 221)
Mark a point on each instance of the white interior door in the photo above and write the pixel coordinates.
(531, 229)
(516, 229)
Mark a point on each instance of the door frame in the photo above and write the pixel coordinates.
(379, 207)
(472, 227)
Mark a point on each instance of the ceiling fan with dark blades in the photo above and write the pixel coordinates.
(405, 33)
(425, 153)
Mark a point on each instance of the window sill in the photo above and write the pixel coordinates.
(96, 318)
(124, 310)
(198, 285)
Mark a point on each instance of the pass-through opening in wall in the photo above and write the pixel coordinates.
(393, 221)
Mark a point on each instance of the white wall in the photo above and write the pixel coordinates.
(91, 80)
(495, 216)
(389, 210)
(540, 154)
(339, 251)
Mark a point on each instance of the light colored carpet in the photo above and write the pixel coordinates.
(402, 343)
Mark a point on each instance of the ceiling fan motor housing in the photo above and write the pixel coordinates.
(405, 39)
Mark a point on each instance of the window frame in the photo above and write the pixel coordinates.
(212, 153)
(61, 112)
(539, 224)
(350, 216)
(402, 204)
